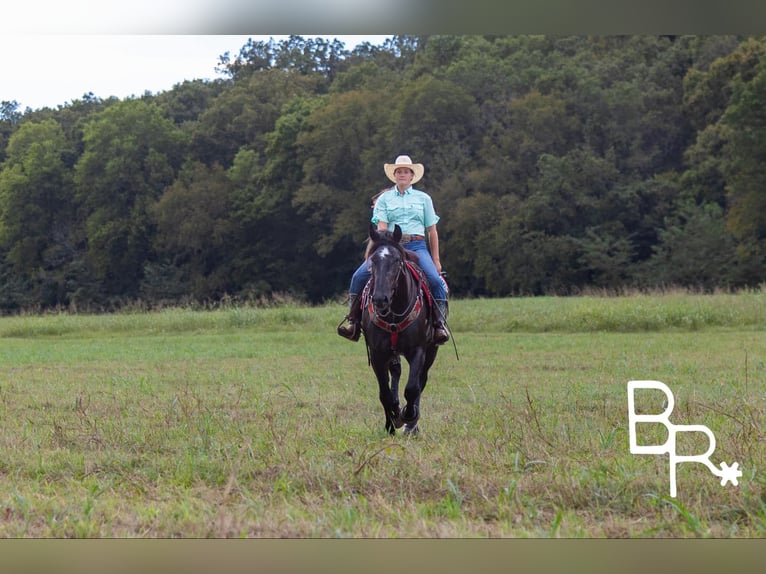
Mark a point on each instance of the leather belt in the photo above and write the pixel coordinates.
(406, 238)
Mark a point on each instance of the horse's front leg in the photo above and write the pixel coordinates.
(389, 400)
(430, 357)
(411, 411)
(395, 368)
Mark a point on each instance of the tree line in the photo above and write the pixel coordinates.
(557, 164)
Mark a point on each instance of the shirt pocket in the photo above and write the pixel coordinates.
(396, 213)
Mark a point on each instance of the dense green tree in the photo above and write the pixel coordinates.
(438, 53)
(523, 130)
(572, 193)
(37, 209)
(33, 188)
(395, 55)
(399, 51)
(515, 260)
(704, 179)
(625, 91)
(745, 118)
(708, 89)
(276, 250)
(131, 154)
(724, 165)
(694, 250)
(312, 56)
(366, 76)
(607, 252)
(187, 101)
(9, 117)
(252, 57)
(430, 110)
(305, 56)
(342, 149)
(469, 256)
(194, 236)
(243, 115)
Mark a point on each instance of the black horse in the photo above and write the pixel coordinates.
(397, 320)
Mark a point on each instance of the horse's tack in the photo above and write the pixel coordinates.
(396, 328)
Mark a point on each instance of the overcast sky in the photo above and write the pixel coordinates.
(54, 52)
(39, 70)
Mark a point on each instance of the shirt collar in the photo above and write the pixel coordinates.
(406, 191)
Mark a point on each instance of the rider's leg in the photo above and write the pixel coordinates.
(358, 281)
(441, 334)
(438, 290)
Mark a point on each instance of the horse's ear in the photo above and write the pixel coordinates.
(373, 232)
(397, 233)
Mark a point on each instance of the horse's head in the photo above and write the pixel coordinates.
(386, 263)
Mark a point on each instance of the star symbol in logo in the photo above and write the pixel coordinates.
(730, 473)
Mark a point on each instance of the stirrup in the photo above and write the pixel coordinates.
(351, 332)
(440, 340)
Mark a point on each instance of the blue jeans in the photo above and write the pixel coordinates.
(362, 274)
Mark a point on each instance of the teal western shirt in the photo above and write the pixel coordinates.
(413, 210)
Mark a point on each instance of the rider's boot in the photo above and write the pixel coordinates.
(441, 334)
(354, 318)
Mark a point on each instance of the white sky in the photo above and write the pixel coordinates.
(52, 69)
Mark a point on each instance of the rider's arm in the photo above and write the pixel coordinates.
(433, 242)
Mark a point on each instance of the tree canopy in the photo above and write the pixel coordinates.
(556, 163)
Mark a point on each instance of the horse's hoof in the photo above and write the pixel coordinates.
(411, 430)
(410, 420)
(398, 420)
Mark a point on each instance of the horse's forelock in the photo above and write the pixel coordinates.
(386, 238)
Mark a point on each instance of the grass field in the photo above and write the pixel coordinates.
(261, 422)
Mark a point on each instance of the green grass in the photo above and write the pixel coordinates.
(255, 422)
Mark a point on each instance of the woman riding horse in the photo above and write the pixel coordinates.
(413, 211)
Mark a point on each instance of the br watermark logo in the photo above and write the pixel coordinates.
(726, 473)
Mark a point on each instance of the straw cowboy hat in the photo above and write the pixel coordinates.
(404, 161)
